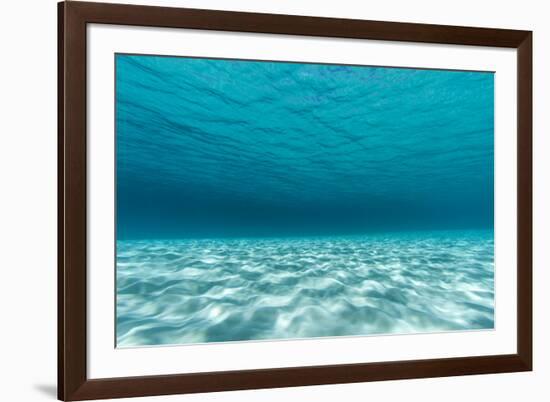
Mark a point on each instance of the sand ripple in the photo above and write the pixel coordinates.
(192, 291)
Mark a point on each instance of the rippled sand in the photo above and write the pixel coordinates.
(194, 291)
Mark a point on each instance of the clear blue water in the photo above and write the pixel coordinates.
(269, 200)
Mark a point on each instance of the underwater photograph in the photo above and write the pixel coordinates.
(270, 200)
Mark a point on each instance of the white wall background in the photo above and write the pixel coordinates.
(28, 199)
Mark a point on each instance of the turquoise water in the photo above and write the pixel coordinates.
(268, 200)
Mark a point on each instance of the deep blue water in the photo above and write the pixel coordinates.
(266, 200)
(214, 148)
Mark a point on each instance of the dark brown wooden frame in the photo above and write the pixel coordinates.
(73, 383)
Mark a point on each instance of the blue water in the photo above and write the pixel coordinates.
(269, 200)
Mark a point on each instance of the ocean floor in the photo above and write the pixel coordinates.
(195, 291)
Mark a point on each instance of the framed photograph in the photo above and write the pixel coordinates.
(254, 200)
